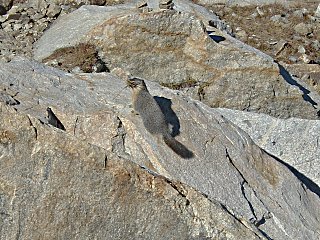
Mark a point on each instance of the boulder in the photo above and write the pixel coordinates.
(105, 175)
(174, 48)
(53, 10)
(55, 186)
(73, 27)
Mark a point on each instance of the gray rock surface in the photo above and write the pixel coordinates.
(317, 12)
(55, 186)
(62, 173)
(201, 12)
(173, 48)
(53, 10)
(294, 141)
(154, 4)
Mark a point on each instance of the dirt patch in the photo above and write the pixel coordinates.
(288, 34)
(83, 57)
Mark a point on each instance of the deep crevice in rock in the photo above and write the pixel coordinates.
(256, 222)
(105, 162)
(150, 171)
(34, 128)
(172, 184)
(242, 184)
(75, 126)
(54, 121)
(118, 141)
(248, 201)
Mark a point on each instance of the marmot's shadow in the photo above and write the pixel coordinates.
(170, 116)
(172, 119)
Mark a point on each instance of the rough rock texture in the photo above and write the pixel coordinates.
(55, 186)
(173, 48)
(295, 141)
(209, 19)
(287, 33)
(73, 27)
(241, 2)
(22, 25)
(5, 4)
(63, 175)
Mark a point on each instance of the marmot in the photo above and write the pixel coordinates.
(152, 116)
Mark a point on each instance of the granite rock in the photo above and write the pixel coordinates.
(73, 27)
(55, 186)
(25, 22)
(174, 48)
(53, 10)
(75, 176)
(308, 73)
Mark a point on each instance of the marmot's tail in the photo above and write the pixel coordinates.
(177, 147)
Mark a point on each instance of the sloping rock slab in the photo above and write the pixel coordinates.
(228, 167)
(55, 186)
(295, 141)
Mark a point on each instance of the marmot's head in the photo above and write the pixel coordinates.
(136, 84)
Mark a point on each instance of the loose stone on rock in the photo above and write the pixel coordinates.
(302, 29)
(53, 10)
(317, 12)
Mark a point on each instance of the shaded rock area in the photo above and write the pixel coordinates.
(105, 164)
(308, 73)
(175, 49)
